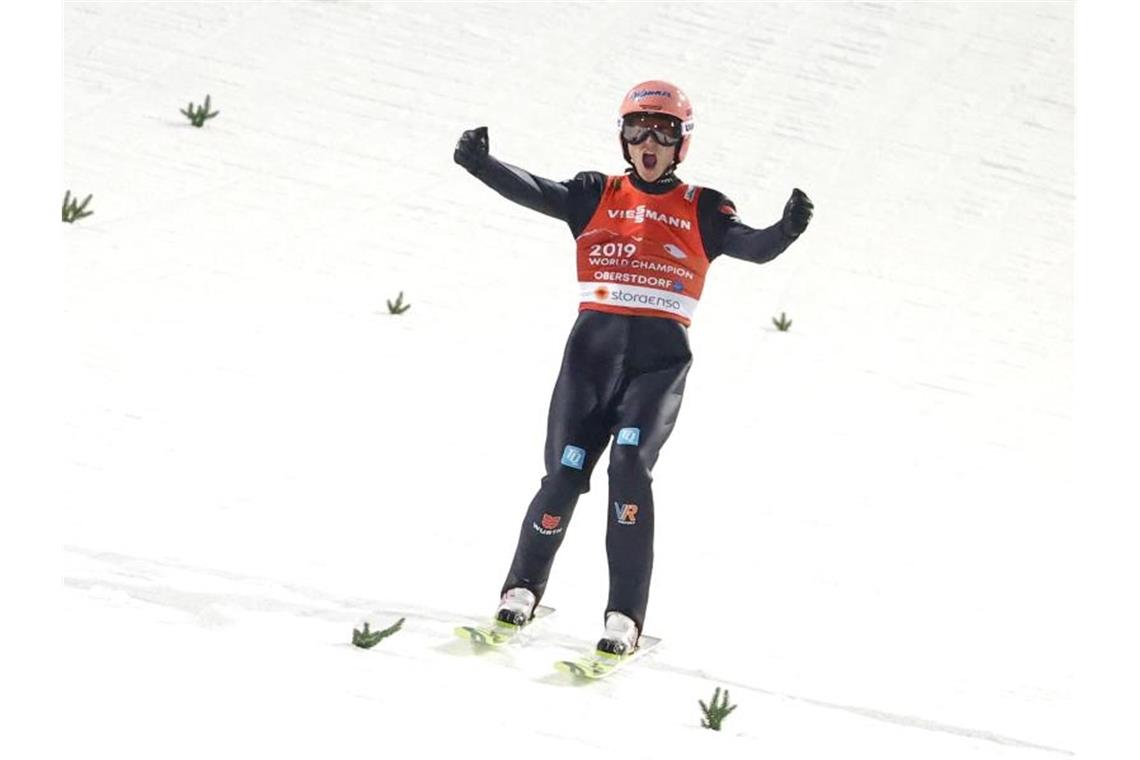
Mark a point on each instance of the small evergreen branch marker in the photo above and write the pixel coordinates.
(783, 323)
(73, 210)
(198, 115)
(719, 710)
(399, 307)
(367, 639)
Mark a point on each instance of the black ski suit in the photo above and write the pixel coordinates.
(621, 379)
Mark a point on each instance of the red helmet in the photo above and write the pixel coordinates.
(656, 96)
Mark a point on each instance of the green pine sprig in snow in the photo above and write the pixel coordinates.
(198, 114)
(367, 639)
(73, 210)
(717, 712)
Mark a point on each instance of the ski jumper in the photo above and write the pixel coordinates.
(643, 251)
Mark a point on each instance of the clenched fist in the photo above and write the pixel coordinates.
(797, 213)
(472, 149)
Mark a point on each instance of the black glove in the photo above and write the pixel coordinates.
(797, 213)
(472, 149)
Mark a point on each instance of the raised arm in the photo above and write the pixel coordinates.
(725, 233)
(472, 152)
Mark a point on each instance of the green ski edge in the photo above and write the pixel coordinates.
(496, 633)
(601, 664)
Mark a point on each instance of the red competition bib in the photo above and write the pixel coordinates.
(642, 254)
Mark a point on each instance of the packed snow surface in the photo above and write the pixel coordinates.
(862, 523)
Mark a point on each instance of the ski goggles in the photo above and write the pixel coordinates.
(637, 127)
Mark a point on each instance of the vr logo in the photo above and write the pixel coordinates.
(573, 456)
(630, 436)
(626, 514)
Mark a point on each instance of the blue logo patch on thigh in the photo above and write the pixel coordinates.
(629, 437)
(573, 456)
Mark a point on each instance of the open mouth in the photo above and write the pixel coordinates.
(649, 160)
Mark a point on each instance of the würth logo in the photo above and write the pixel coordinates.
(549, 525)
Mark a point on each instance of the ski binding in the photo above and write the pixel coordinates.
(601, 664)
(496, 633)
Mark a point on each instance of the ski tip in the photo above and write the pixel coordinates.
(480, 635)
(571, 668)
(583, 668)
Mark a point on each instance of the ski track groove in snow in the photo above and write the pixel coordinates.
(210, 608)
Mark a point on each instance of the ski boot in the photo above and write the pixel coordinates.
(516, 607)
(620, 638)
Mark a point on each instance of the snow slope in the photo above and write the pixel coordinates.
(876, 505)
